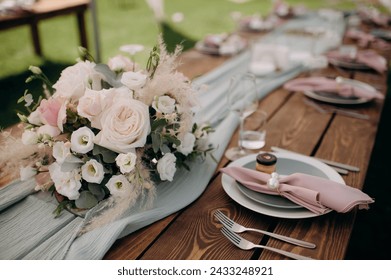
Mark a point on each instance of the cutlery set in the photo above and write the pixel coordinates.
(231, 228)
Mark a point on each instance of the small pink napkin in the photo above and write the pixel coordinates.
(317, 194)
(332, 86)
(368, 57)
(364, 39)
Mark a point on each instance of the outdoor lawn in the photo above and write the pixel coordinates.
(120, 22)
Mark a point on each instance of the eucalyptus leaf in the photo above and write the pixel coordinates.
(156, 142)
(97, 190)
(69, 166)
(110, 76)
(165, 149)
(108, 155)
(172, 139)
(86, 200)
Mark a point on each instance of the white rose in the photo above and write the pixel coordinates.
(134, 80)
(164, 104)
(92, 171)
(166, 167)
(66, 183)
(187, 144)
(118, 186)
(82, 140)
(125, 126)
(126, 162)
(47, 129)
(35, 118)
(120, 63)
(27, 172)
(29, 137)
(75, 79)
(91, 104)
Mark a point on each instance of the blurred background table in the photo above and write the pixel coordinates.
(45, 9)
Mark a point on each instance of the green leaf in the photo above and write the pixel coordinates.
(156, 142)
(86, 200)
(97, 190)
(172, 139)
(165, 149)
(158, 123)
(110, 76)
(108, 155)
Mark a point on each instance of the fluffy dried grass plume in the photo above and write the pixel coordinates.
(13, 155)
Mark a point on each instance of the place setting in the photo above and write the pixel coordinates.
(338, 90)
(223, 44)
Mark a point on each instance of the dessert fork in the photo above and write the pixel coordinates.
(235, 227)
(247, 245)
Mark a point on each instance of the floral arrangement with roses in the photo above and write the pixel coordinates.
(113, 131)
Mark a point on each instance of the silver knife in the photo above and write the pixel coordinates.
(328, 162)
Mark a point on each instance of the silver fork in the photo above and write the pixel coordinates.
(235, 227)
(247, 245)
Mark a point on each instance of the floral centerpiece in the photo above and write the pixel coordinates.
(113, 131)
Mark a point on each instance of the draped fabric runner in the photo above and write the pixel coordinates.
(317, 194)
(332, 86)
(28, 229)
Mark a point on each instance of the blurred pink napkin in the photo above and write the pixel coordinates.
(367, 57)
(318, 195)
(364, 39)
(332, 86)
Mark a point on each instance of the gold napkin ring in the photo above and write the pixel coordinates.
(274, 183)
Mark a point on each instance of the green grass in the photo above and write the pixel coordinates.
(120, 22)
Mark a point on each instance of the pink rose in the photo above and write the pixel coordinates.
(52, 111)
(49, 109)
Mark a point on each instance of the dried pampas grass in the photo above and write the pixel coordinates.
(13, 155)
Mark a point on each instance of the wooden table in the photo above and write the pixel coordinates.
(45, 9)
(193, 233)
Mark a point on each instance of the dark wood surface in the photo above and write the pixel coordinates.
(193, 232)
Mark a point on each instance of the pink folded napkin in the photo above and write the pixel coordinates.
(364, 39)
(332, 86)
(317, 194)
(367, 57)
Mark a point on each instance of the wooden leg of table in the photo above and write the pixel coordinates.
(35, 38)
(82, 29)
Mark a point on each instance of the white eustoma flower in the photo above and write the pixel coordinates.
(82, 140)
(164, 104)
(29, 137)
(166, 167)
(27, 172)
(61, 151)
(126, 162)
(119, 186)
(187, 144)
(92, 171)
(134, 80)
(28, 98)
(66, 183)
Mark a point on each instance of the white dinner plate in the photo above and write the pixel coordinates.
(333, 98)
(287, 163)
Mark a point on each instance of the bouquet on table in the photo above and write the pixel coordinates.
(113, 131)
